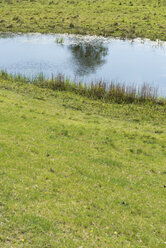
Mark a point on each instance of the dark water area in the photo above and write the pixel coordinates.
(85, 58)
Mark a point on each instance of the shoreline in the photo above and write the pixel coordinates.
(114, 93)
(103, 38)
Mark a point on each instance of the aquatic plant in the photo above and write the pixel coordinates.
(59, 40)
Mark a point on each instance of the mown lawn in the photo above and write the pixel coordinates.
(76, 172)
(122, 18)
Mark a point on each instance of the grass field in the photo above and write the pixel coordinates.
(120, 18)
(76, 172)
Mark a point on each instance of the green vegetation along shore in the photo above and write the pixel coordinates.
(114, 92)
(78, 172)
(118, 18)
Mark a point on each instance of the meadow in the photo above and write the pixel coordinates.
(82, 166)
(80, 172)
(117, 18)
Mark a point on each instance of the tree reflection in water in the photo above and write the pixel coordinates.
(88, 57)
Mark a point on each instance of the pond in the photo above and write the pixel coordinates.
(85, 58)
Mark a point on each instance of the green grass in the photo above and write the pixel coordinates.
(118, 18)
(77, 172)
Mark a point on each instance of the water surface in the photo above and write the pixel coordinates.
(85, 58)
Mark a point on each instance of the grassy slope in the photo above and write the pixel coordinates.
(131, 18)
(80, 173)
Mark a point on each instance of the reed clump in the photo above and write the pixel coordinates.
(114, 92)
(59, 40)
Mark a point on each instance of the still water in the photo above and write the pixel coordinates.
(85, 58)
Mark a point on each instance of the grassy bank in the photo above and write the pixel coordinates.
(113, 92)
(132, 18)
(78, 172)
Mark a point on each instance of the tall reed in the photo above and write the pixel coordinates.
(114, 92)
